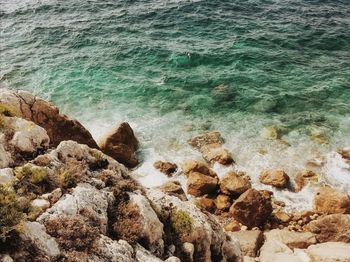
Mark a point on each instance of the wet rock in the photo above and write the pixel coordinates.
(250, 241)
(234, 183)
(252, 208)
(199, 184)
(345, 153)
(121, 144)
(291, 239)
(223, 202)
(305, 177)
(198, 167)
(206, 139)
(331, 228)
(167, 168)
(330, 251)
(276, 178)
(331, 201)
(6, 159)
(174, 188)
(216, 153)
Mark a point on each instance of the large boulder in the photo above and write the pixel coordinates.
(329, 252)
(290, 238)
(330, 201)
(121, 144)
(199, 184)
(250, 241)
(59, 127)
(252, 208)
(276, 178)
(234, 183)
(334, 228)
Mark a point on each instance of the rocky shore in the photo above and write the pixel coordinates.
(65, 197)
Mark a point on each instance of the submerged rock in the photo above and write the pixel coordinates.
(206, 139)
(121, 144)
(330, 201)
(276, 178)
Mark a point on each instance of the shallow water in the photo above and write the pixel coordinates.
(174, 69)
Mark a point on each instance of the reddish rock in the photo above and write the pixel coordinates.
(216, 153)
(252, 208)
(173, 188)
(121, 144)
(234, 183)
(330, 201)
(190, 166)
(276, 178)
(199, 184)
(206, 203)
(223, 202)
(167, 168)
(233, 226)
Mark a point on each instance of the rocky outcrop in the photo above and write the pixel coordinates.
(167, 168)
(276, 178)
(234, 183)
(121, 144)
(330, 201)
(331, 228)
(59, 127)
(252, 208)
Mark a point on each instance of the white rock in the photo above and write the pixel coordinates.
(329, 252)
(5, 156)
(172, 259)
(290, 238)
(37, 234)
(276, 251)
(6, 258)
(143, 255)
(6, 175)
(40, 203)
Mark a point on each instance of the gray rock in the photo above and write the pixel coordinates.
(329, 252)
(6, 175)
(290, 238)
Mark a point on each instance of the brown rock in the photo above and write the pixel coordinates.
(206, 203)
(251, 208)
(121, 144)
(223, 202)
(331, 228)
(233, 226)
(206, 139)
(330, 201)
(165, 167)
(216, 153)
(276, 178)
(291, 239)
(234, 183)
(173, 188)
(199, 184)
(197, 166)
(282, 217)
(250, 241)
(305, 177)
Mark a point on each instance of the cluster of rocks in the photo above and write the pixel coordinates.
(64, 197)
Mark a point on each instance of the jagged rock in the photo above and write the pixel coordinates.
(198, 167)
(330, 201)
(252, 208)
(223, 202)
(332, 228)
(276, 178)
(250, 241)
(172, 259)
(206, 139)
(58, 126)
(305, 177)
(167, 168)
(6, 176)
(234, 183)
(121, 144)
(216, 153)
(329, 252)
(35, 232)
(189, 224)
(174, 188)
(290, 238)
(199, 184)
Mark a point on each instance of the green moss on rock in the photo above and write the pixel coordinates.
(181, 223)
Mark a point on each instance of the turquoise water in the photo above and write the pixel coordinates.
(177, 68)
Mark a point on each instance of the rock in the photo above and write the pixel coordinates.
(345, 153)
(174, 188)
(121, 144)
(172, 259)
(305, 177)
(205, 203)
(250, 241)
(40, 203)
(6, 176)
(329, 252)
(251, 208)
(188, 249)
(276, 178)
(275, 251)
(167, 168)
(282, 217)
(223, 202)
(234, 183)
(189, 224)
(330, 201)
(5, 156)
(233, 226)
(206, 139)
(331, 228)
(291, 239)
(6, 258)
(248, 259)
(198, 167)
(216, 153)
(36, 233)
(58, 126)
(199, 184)
(142, 255)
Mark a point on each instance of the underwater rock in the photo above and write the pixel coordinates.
(276, 178)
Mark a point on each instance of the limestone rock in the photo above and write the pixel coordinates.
(199, 184)
(330, 201)
(216, 153)
(121, 144)
(252, 208)
(331, 228)
(276, 178)
(198, 167)
(329, 252)
(40, 203)
(250, 241)
(234, 183)
(174, 188)
(206, 139)
(143, 254)
(205, 203)
(305, 177)
(276, 251)
(223, 202)
(290, 238)
(6, 176)
(167, 168)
